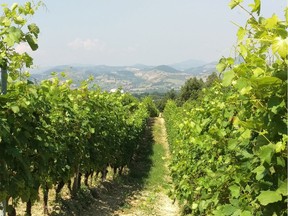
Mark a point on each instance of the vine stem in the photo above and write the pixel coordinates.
(243, 8)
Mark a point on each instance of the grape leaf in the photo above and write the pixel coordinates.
(267, 197)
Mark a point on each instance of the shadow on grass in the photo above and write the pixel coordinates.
(111, 196)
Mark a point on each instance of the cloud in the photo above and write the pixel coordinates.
(87, 44)
(22, 48)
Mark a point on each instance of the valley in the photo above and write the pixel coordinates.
(135, 79)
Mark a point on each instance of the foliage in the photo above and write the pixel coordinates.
(50, 130)
(15, 29)
(151, 107)
(170, 95)
(190, 90)
(229, 146)
(211, 79)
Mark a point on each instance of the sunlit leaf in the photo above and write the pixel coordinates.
(228, 77)
(241, 33)
(256, 7)
(267, 197)
(235, 191)
(266, 152)
(260, 172)
(234, 3)
(280, 46)
(283, 188)
(15, 109)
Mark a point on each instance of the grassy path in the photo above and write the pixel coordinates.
(153, 199)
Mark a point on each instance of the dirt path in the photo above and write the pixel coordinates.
(147, 195)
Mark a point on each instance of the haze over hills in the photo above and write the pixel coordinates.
(137, 78)
(191, 63)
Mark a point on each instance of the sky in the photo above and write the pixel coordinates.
(127, 32)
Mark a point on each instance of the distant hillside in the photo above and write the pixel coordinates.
(166, 68)
(203, 70)
(135, 79)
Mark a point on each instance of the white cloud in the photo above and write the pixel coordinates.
(22, 48)
(87, 44)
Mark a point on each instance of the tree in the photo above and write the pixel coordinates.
(211, 79)
(170, 95)
(191, 89)
(14, 29)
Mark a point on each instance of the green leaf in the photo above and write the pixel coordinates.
(272, 22)
(14, 6)
(267, 197)
(194, 205)
(34, 29)
(237, 212)
(5, 21)
(281, 74)
(15, 109)
(31, 42)
(92, 130)
(280, 46)
(246, 213)
(228, 77)
(256, 7)
(266, 152)
(280, 146)
(221, 66)
(241, 33)
(235, 191)
(234, 3)
(13, 36)
(242, 83)
(265, 81)
(260, 172)
(258, 71)
(228, 209)
(281, 161)
(276, 103)
(243, 51)
(246, 134)
(283, 188)
(19, 20)
(232, 144)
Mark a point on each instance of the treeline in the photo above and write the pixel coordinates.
(51, 133)
(229, 141)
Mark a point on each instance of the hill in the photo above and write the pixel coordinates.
(135, 79)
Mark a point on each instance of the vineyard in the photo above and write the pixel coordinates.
(228, 143)
(51, 133)
(229, 146)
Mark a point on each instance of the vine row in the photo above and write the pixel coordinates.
(229, 147)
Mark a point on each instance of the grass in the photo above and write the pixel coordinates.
(158, 170)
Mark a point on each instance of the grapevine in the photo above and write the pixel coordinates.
(229, 146)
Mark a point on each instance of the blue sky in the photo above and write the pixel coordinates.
(126, 32)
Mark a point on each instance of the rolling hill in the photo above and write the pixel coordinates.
(135, 79)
